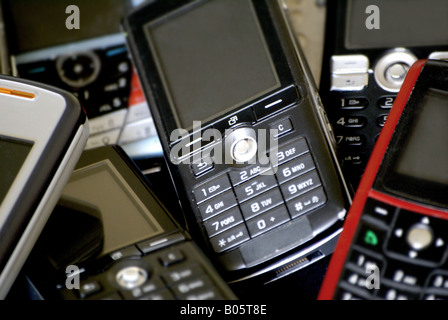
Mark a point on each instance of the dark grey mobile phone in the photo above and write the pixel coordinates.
(242, 128)
(110, 238)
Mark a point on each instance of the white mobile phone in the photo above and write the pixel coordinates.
(43, 131)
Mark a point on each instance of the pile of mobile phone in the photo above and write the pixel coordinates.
(221, 91)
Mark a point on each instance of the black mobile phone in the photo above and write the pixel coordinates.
(111, 238)
(394, 242)
(43, 131)
(243, 131)
(369, 47)
(78, 46)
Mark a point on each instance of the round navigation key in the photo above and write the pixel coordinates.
(241, 144)
(420, 236)
(131, 277)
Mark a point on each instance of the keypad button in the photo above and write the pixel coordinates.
(353, 103)
(386, 102)
(239, 176)
(230, 238)
(354, 63)
(153, 244)
(205, 164)
(188, 146)
(255, 187)
(283, 127)
(178, 274)
(205, 293)
(89, 288)
(370, 237)
(349, 82)
(223, 221)
(244, 116)
(300, 185)
(390, 293)
(381, 120)
(438, 280)
(351, 122)
(267, 221)
(217, 205)
(435, 296)
(276, 102)
(357, 280)
(364, 261)
(190, 286)
(342, 294)
(163, 294)
(406, 274)
(171, 257)
(353, 159)
(295, 168)
(379, 210)
(125, 253)
(211, 188)
(151, 286)
(307, 202)
(261, 203)
(353, 140)
(290, 151)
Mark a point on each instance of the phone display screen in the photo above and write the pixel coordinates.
(398, 23)
(415, 163)
(125, 219)
(211, 58)
(425, 153)
(13, 153)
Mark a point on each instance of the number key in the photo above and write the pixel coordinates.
(217, 205)
(268, 221)
(255, 187)
(223, 222)
(211, 188)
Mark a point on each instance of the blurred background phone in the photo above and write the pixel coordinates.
(90, 61)
(369, 47)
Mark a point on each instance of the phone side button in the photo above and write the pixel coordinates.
(276, 242)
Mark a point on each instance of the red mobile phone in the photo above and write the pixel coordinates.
(394, 242)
